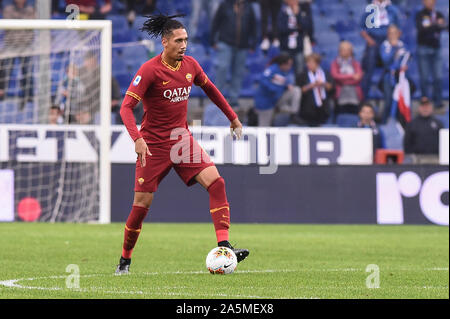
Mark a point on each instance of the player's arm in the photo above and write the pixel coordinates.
(217, 98)
(134, 94)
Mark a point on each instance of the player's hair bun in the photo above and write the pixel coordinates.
(160, 24)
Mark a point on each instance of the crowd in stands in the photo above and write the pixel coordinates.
(295, 86)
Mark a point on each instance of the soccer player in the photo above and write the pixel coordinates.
(163, 84)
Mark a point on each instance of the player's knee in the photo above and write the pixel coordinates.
(218, 183)
(143, 199)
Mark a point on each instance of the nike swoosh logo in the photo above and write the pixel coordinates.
(226, 266)
(165, 82)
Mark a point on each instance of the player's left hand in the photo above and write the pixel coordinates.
(236, 128)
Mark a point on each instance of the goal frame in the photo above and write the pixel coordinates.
(105, 28)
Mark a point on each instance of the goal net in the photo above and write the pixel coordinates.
(55, 95)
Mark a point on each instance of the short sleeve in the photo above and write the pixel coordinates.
(200, 77)
(142, 80)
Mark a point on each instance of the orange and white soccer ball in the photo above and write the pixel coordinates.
(221, 260)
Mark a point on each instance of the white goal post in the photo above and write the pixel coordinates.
(103, 128)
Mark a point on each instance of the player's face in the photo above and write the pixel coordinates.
(175, 45)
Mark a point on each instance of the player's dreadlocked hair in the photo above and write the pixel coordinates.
(161, 25)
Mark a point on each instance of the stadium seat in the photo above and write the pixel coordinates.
(347, 120)
(281, 119)
(119, 66)
(444, 118)
(133, 54)
(165, 7)
(393, 135)
(213, 116)
(124, 81)
(347, 25)
(118, 21)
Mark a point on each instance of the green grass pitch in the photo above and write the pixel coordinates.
(286, 261)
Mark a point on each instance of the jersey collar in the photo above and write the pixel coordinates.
(167, 65)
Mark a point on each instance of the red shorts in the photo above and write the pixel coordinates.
(187, 161)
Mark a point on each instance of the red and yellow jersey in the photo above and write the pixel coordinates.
(164, 91)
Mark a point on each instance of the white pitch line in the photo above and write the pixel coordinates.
(438, 268)
(207, 273)
(13, 283)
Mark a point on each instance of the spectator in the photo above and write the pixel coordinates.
(84, 116)
(347, 75)
(18, 43)
(210, 6)
(421, 139)
(93, 9)
(55, 115)
(276, 90)
(90, 77)
(366, 120)
(70, 90)
(269, 8)
(142, 7)
(374, 25)
(393, 54)
(233, 33)
(316, 86)
(294, 24)
(430, 23)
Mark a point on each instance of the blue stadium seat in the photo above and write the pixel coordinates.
(118, 7)
(442, 5)
(281, 120)
(135, 54)
(119, 22)
(213, 116)
(165, 6)
(197, 92)
(124, 36)
(328, 40)
(10, 113)
(357, 8)
(119, 66)
(347, 120)
(393, 135)
(347, 25)
(444, 118)
(124, 81)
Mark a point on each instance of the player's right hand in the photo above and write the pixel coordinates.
(141, 150)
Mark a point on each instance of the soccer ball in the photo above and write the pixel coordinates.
(221, 260)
